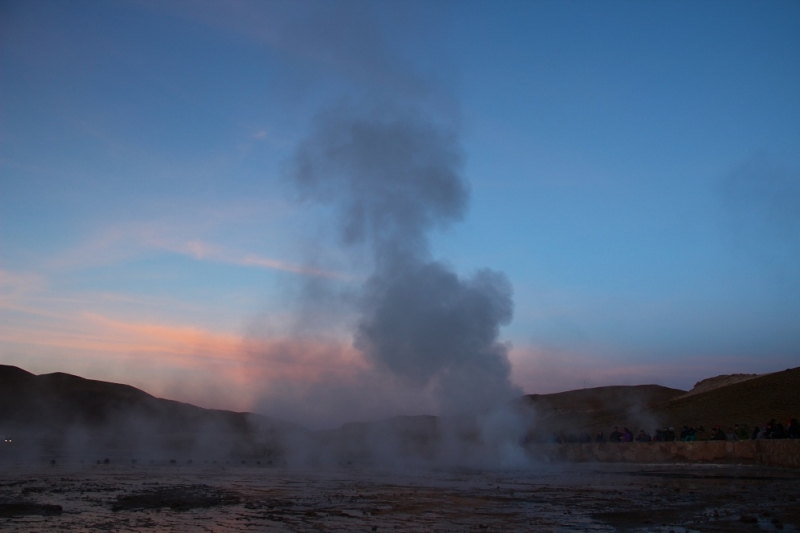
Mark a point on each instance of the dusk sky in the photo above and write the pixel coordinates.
(185, 206)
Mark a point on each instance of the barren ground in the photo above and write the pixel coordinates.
(221, 498)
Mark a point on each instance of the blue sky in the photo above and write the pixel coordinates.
(634, 171)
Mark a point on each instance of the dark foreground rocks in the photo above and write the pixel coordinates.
(12, 509)
(573, 498)
(177, 498)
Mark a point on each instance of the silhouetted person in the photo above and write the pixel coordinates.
(627, 436)
(741, 432)
(600, 437)
(615, 435)
(769, 429)
(793, 429)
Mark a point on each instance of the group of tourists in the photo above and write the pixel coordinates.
(776, 430)
(770, 430)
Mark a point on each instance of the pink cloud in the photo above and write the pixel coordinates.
(125, 242)
(263, 262)
(204, 251)
(320, 381)
(15, 286)
(178, 361)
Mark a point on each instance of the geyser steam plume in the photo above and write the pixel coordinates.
(393, 175)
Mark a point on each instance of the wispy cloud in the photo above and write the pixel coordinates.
(263, 262)
(177, 360)
(20, 282)
(16, 288)
(129, 241)
(318, 380)
(88, 331)
(204, 251)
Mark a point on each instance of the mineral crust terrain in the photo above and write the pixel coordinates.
(250, 497)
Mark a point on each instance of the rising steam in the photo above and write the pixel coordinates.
(393, 176)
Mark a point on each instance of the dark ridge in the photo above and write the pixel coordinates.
(750, 403)
(747, 403)
(595, 409)
(12, 374)
(597, 399)
(60, 413)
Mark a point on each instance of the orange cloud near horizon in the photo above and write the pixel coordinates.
(167, 359)
(226, 369)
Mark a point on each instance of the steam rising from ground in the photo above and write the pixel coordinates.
(67, 418)
(389, 170)
(434, 329)
(392, 176)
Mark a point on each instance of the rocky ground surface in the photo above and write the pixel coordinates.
(250, 497)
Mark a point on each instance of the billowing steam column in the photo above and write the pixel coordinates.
(393, 175)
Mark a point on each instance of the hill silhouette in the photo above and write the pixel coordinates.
(62, 413)
(746, 400)
(708, 384)
(595, 409)
(750, 402)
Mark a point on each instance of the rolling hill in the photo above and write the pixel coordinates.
(61, 414)
(749, 402)
(746, 400)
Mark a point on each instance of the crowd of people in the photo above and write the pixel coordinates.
(770, 430)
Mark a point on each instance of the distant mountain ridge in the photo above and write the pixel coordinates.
(62, 411)
(66, 414)
(746, 400)
(581, 411)
(60, 399)
(716, 382)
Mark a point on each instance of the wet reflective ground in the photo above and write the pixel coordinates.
(221, 498)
